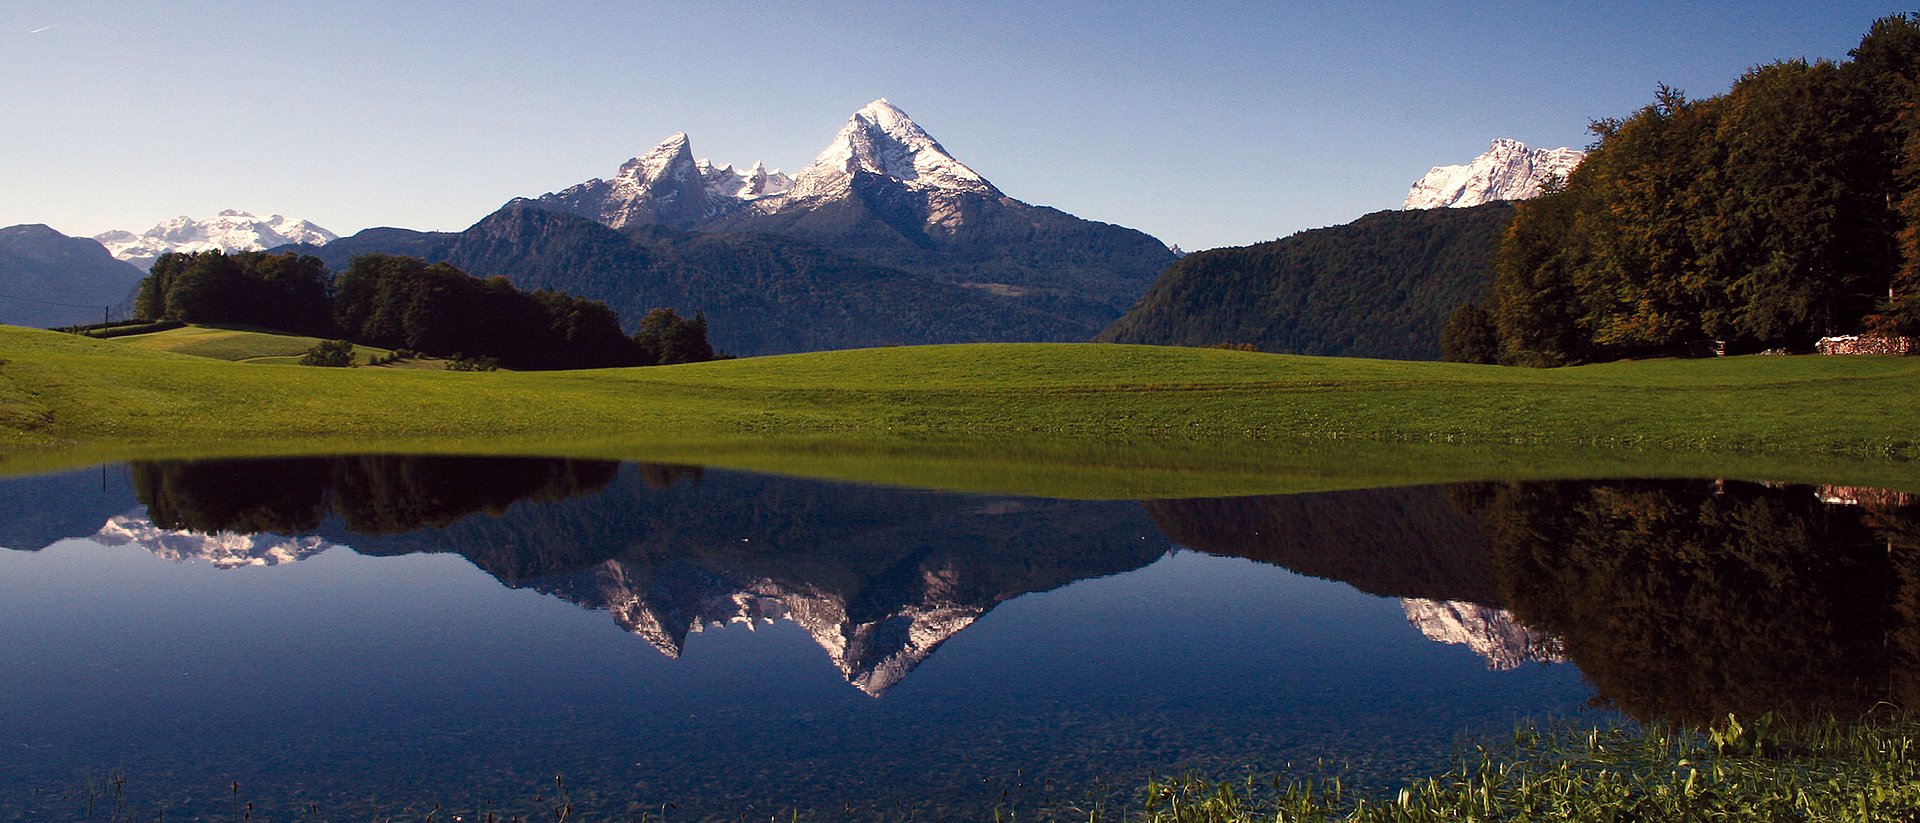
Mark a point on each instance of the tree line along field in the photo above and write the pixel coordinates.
(404, 303)
(1071, 408)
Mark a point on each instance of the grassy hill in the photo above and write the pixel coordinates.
(242, 344)
(1078, 419)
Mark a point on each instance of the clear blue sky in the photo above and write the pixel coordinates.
(1205, 124)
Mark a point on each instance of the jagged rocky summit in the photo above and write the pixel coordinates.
(230, 230)
(1509, 170)
(668, 186)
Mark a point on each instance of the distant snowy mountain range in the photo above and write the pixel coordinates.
(895, 209)
(230, 230)
(668, 186)
(1509, 170)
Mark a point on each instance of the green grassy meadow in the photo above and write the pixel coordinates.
(1068, 419)
(241, 344)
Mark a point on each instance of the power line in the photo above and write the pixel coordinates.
(49, 302)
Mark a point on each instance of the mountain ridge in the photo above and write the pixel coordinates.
(49, 279)
(884, 190)
(762, 294)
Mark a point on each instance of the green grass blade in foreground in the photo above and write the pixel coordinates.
(1864, 770)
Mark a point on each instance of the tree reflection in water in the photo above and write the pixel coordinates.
(1686, 600)
(374, 494)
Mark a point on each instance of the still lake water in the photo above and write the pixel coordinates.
(371, 634)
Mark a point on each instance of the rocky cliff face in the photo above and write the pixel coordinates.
(1509, 170)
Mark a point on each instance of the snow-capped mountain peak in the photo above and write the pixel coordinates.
(664, 181)
(672, 158)
(1508, 170)
(231, 230)
(888, 116)
(667, 186)
(881, 139)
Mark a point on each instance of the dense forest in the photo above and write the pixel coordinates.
(1781, 211)
(373, 494)
(276, 291)
(1377, 287)
(407, 303)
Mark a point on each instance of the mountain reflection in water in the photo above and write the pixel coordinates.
(1185, 641)
(878, 577)
(1678, 600)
